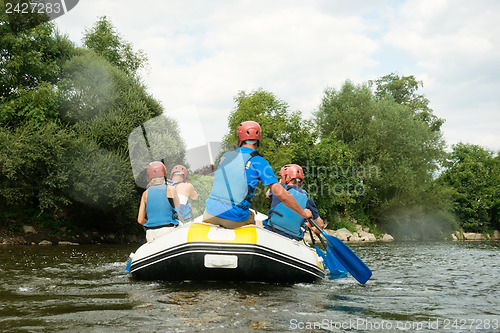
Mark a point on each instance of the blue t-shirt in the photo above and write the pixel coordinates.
(310, 202)
(258, 169)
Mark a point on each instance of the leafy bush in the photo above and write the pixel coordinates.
(473, 174)
(31, 173)
(66, 114)
(203, 186)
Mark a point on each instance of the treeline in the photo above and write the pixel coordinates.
(66, 113)
(373, 152)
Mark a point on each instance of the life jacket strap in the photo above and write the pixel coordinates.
(159, 226)
(250, 195)
(275, 212)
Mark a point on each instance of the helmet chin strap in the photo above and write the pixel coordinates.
(299, 181)
(180, 174)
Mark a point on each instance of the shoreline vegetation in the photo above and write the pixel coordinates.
(30, 236)
(373, 153)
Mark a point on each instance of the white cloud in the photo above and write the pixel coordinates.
(294, 52)
(203, 53)
(457, 47)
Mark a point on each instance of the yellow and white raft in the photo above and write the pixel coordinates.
(199, 251)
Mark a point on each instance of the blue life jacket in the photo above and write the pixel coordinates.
(230, 182)
(286, 220)
(158, 208)
(184, 210)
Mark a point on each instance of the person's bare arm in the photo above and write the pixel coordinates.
(173, 193)
(288, 200)
(192, 193)
(141, 217)
(319, 221)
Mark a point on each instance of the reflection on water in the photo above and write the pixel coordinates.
(82, 288)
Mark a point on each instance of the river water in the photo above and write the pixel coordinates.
(434, 286)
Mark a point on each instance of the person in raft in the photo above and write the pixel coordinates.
(236, 178)
(158, 203)
(185, 191)
(281, 219)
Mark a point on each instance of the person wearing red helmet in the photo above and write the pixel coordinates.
(281, 219)
(238, 173)
(185, 191)
(158, 203)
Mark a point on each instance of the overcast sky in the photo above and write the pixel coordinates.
(201, 53)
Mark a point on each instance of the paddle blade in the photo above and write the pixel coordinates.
(348, 259)
(336, 268)
(127, 268)
(322, 255)
(337, 271)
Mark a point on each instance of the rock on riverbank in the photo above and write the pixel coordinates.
(362, 234)
(474, 236)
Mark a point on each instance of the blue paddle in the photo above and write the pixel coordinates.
(127, 268)
(318, 250)
(336, 269)
(329, 261)
(322, 255)
(345, 256)
(334, 266)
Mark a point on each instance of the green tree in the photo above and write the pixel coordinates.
(104, 106)
(100, 186)
(346, 113)
(403, 89)
(102, 102)
(103, 39)
(29, 57)
(203, 186)
(30, 67)
(495, 193)
(65, 117)
(386, 137)
(30, 166)
(474, 175)
(18, 20)
(332, 178)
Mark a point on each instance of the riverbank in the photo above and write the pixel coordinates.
(361, 235)
(32, 236)
(474, 236)
(46, 236)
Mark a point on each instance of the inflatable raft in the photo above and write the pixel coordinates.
(199, 251)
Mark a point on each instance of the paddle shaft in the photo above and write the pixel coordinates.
(311, 234)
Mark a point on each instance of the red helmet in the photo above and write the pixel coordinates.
(248, 130)
(179, 168)
(156, 169)
(293, 171)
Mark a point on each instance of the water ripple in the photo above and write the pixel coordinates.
(81, 289)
